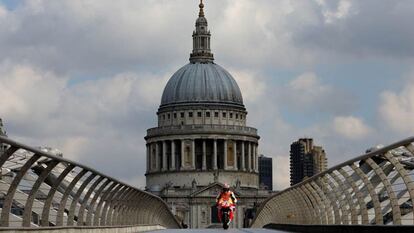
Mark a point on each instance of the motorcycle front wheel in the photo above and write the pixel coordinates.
(225, 221)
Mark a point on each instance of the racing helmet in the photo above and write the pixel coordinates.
(226, 187)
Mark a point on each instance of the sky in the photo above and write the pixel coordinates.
(86, 76)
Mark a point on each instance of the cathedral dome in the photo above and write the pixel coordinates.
(202, 83)
(202, 135)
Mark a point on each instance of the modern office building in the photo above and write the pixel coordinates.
(306, 160)
(266, 172)
(202, 140)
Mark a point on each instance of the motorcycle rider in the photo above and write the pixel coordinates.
(226, 195)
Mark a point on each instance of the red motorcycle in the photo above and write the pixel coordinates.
(226, 213)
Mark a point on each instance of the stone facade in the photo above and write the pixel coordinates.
(196, 204)
(202, 141)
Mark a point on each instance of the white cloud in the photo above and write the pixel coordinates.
(351, 127)
(307, 88)
(397, 108)
(307, 93)
(74, 146)
(3, 11)
(340, 11)
(281, 172)
(87, 76)
(351, 29)
(105, 37)
(28, 93)
(251, 84)
(262, 29)
(96, 37)
(98, 122)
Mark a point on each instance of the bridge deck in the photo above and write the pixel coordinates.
(218, 230)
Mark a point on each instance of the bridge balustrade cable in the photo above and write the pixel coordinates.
(39, 189)
(373, 189)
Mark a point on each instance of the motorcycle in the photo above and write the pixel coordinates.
(227, 209)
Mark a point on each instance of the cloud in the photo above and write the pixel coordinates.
(263, 29)
(86, 77)
(28, 93)
(397, 108)
(359, 29)
(351, 127)
(307, 93)
(96, 37)
(307, 88)
(281, 178)
(251, 84)
(102, 37)
(100, 123)
(3, 11)
(338, 11)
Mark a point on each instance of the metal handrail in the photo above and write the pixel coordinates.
(313, 199)
(114, 207)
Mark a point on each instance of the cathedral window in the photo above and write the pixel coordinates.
(237, 116)
(207, 114)
(182, 114)
(175, 115)
(216, 114)
(231, 115)
(190, 114)
(199, 114)
(168, 116)
(224, 115)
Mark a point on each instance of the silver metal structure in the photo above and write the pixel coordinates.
(373, 189)
(38, 189)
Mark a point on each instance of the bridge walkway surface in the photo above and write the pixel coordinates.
(217, 231)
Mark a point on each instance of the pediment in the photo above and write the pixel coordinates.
(210, 191)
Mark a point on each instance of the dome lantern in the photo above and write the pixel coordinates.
(201, 40)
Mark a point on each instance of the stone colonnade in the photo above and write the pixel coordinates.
(202, 155)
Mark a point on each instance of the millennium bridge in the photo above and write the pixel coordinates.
(47, 193)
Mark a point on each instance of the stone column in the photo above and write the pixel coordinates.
(243, 157)
(225, 154)
(256, 156)
(153, 160)
(249, 157)
(204, 156)
(182, 154)
(215, 155)
(172, 166)
(253, 157)
(164, 156)
(193, 154)
(148, 158)
(157, 156)
(235, 154)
